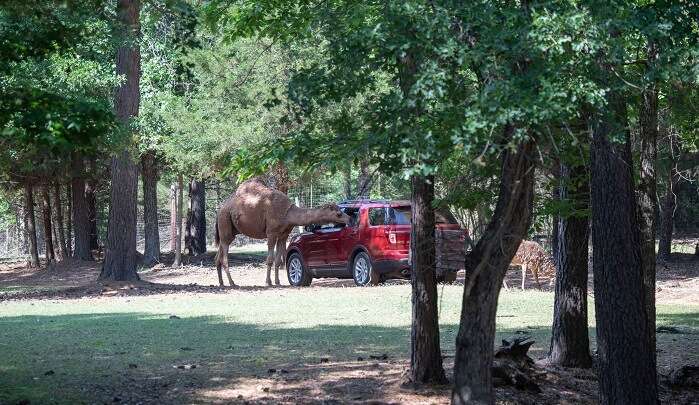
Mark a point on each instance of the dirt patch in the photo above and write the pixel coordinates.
(367, 379)
(677, 279)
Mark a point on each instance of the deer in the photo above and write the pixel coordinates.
(531, 256)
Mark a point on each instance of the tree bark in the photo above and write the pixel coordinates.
(364, 179)
(627, 371)
(48, 228)
(81, 216)
(281, 177)
(173, 217)
(648, 209)
(667, 212)
(58, 216)
(570, 344)
(91, 201)
(669, 201)
(69, 219)
(178, 222)
(486, 266)
(556, 217)
(188, 223)
(198, 217)
(425, 353)
(347, 183)
(120, 258)
(149, 171)
(31, 225)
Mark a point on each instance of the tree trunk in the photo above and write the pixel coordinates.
(570, 344)
(556, 217)
(48, 228)
(25, 230)
(627, 371)
(54, 233)
(31, 225)
(648, 209)
(91, 201)
(281, 177)
(178, 221)
(364, 179)
(347, 183)
(120, 259)
(151, 254)
(58, 215)
(486, 266)
(198, 217)
(669, 201)
(173, 217)
(425, 354)
(81, 215)
(188, 250)
(69, 219)
(667, 212)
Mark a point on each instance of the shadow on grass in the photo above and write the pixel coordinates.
(133, 357)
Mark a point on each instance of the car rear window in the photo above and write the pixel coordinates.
(399, 216)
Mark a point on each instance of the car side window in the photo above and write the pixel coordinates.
(377, 216)
(353, 214)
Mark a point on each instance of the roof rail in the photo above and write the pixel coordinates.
(364, 200)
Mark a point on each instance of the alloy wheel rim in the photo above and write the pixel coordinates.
(361, 270)
(295, 270)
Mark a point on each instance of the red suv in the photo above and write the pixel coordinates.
(374, 246)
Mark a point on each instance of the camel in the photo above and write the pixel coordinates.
(532, 256)
(261, 212)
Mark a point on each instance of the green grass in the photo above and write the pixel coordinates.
(89, 343)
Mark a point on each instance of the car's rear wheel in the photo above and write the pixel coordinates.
(362, 270)
(296, 272)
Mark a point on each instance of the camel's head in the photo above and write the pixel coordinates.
(330, 213)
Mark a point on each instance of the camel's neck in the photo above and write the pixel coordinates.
(304, 216)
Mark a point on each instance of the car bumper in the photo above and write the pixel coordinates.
(397, 267)
(400, 268)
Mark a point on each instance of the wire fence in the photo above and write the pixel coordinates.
(14, 244)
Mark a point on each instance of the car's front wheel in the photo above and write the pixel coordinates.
(362, 270)
(297, 273)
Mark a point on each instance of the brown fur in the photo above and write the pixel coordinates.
(261, 212)
(532, 256)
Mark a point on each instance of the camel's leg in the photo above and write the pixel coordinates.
(217, 260)
(271, 243)
(279, 256)
(524, 274)
(222, 261)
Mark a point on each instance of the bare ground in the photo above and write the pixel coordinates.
(374, 380)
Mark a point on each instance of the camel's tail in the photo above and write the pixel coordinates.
(217, 237)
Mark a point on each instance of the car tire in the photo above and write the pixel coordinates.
(363, 271)
(296, 271)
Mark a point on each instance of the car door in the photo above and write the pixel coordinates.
(322, 248)
(346, 241)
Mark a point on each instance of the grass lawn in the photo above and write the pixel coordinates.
(95, 349)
